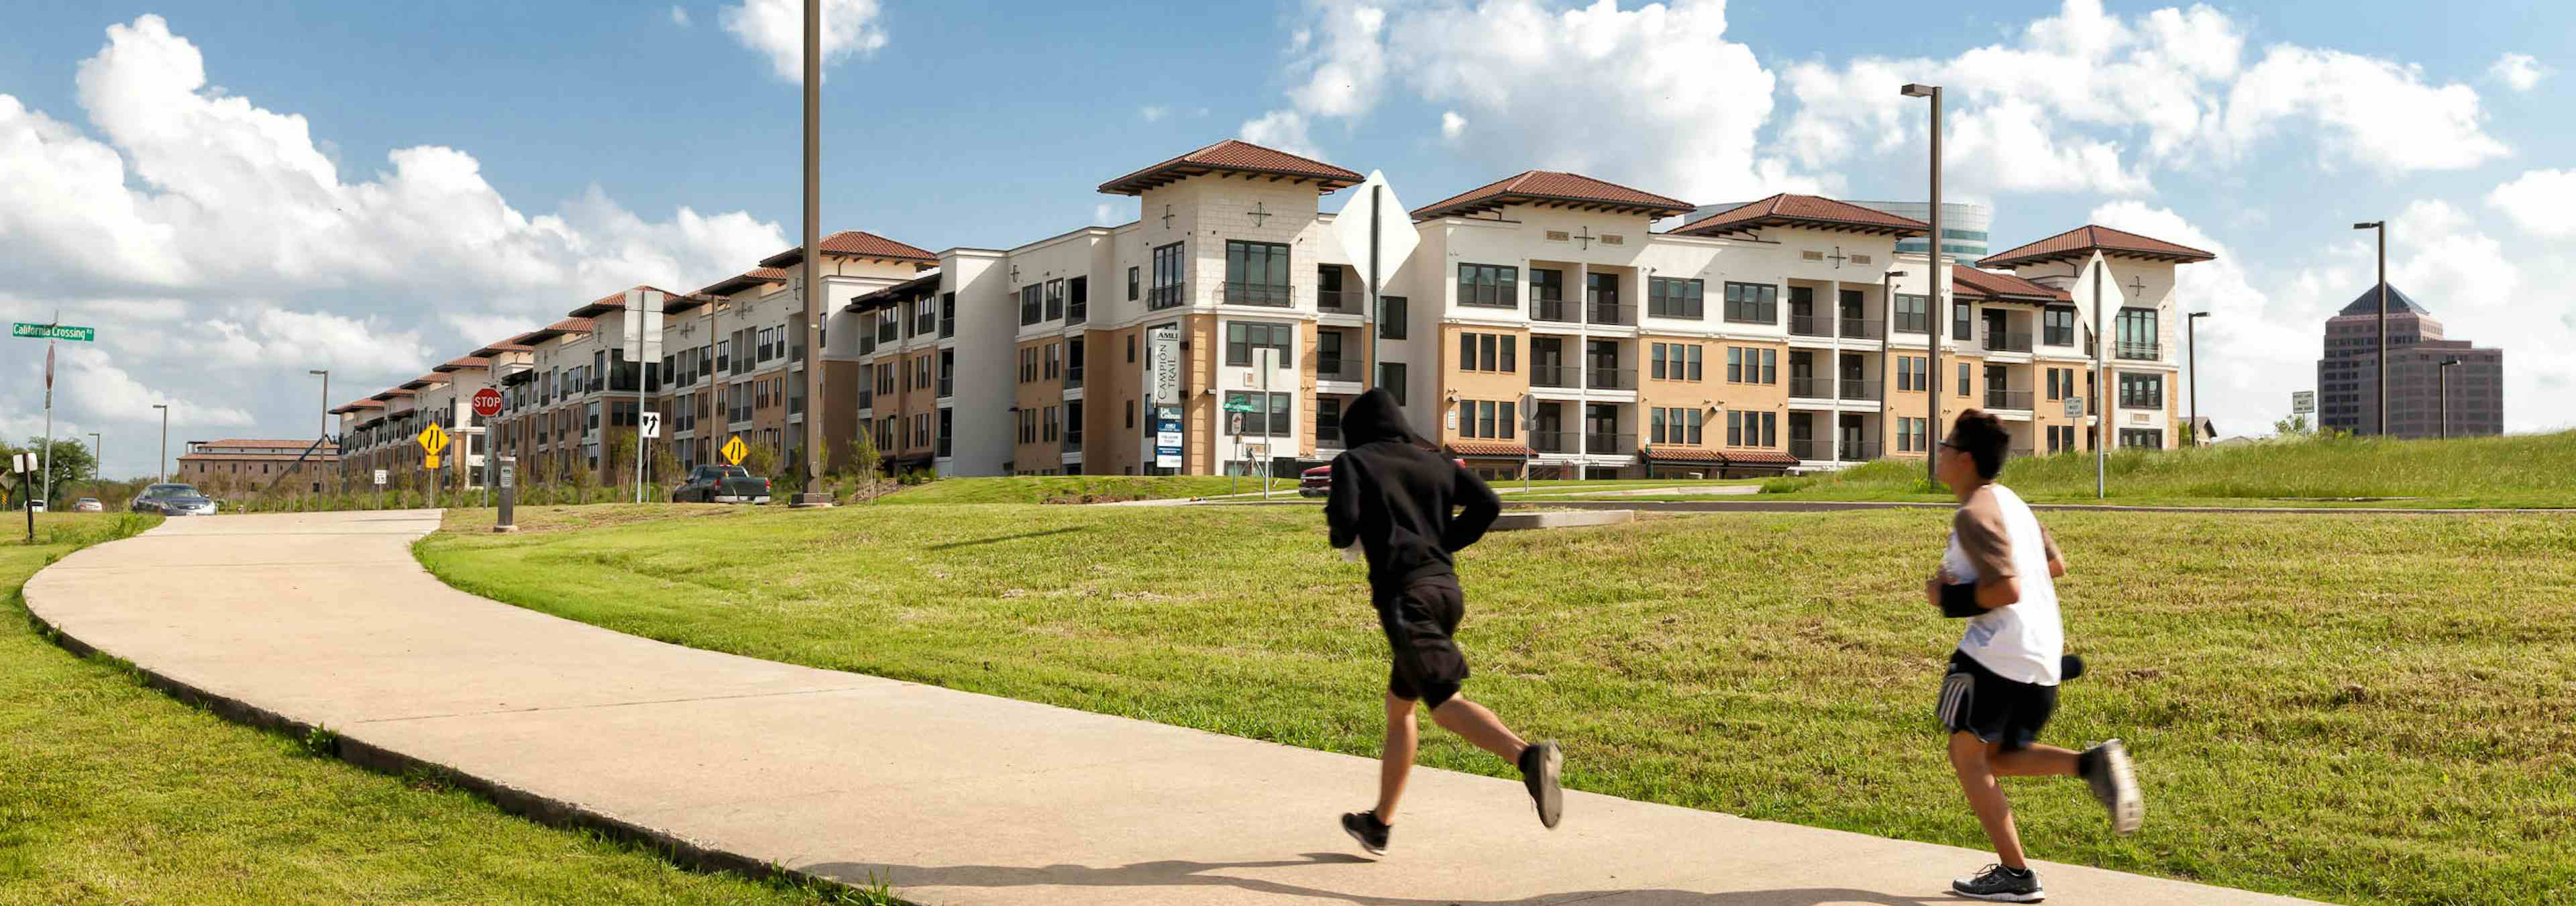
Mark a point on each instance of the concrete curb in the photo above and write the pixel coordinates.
(678, 850)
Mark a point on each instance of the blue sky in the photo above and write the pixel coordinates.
(966, 123)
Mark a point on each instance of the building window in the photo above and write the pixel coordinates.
(1488, 419)
(1328, 420)
(1752, 303)
(1167, 277)
(1488, 352)
(1911, 435)
(1752, 366)
(2057, 326)
(1489, 285)
(1266, 418)
(2142, 391)
(1963, 379)
(1032, 303)
(1134, 281)
(1390, 375)
(1054, 360)
(1054, 300)
(1911, 314)
(1028, 364)
(1752, 429)
(2137, 333)
(1391, 317)
(1242, 337)
(1131, 349)
(1676, 426)
(1909, 372)
(1961, 324)
(2141, 439)
(1078, 305)
(1672, 297)
(1131, 413)
(1547, 294)
(1256, 273)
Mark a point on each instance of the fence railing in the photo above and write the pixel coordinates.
(1268, 294)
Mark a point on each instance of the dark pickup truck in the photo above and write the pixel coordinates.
(721, 484)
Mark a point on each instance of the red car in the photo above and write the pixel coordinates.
(1318, 481)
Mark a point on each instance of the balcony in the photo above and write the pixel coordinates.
(1551, 310)
(947, 328)
(1341, 302)
(1610, 313)
(1551, 442)
(948, 384)
(1072, 379)
(1811, 449)
(1072, 442)
(1163, 296)
(1609, 444)
(2007, 399)
(1864, 329)
(1816, 388)
(1272, 295)
(1857, 389)
(1860, 452)
(1328, 368)
(1076, 313)
(2007, 341)
(2057, 337)
(1610, 378)
(1811, 326)
(2150, 352)
(1553, 376)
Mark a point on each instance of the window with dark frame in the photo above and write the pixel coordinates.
(1032, 304)
(2142, 391)
(1134, 280)
(1242, 337)
(1675, 297)
(1752, 303)
(2057, 326)
(1390, 375)
(1489, 285)
(1166, 291)
(1256, 273)
(1912, 314)
(1391, 322)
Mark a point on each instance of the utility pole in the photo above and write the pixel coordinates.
(1377, 312)
(810, 494)
(49, 413)
(2444, 372)
(2191, 339)
(162, 465)
(1937, 309)
(2381, 227)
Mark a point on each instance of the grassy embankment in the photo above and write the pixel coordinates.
(117, 793)
(2371, 709)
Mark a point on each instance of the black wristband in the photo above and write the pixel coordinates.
(1960, 600)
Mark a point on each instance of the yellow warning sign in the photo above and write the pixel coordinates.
(733, 450)
(432, 462)
(433, 440)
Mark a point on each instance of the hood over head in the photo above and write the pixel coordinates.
(1375, 417)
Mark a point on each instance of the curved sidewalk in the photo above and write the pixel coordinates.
(966, 799)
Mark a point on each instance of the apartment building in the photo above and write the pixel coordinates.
(250, 466)
(1543, 326)
(2348, 374)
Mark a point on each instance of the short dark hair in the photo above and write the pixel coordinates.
(1980, 434)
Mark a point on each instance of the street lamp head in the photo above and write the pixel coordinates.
(2454, 360)
(2200, 314)
(2368, 226)
(319, 371)
(1896, 273)
(161, 405)
(1913, 90)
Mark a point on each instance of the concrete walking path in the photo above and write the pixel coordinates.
(965, 799)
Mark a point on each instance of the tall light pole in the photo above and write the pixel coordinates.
(810, 493)
(1887, 347)
(2381, 226)
(2444, 372)
(2191, 341)
(97, 456)
(162, 465)
(1934, 310)
(326, 398)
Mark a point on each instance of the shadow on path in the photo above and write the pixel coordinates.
(1178, 873)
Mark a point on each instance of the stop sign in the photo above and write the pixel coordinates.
(487, 402)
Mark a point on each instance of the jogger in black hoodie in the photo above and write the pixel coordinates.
(1394, 498)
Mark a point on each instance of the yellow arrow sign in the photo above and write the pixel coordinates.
(433, 439)
(733, 450)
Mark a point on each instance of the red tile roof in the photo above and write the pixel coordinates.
(615, 301)
(424, 381)
(397, 391)
(323, 455)
(1234, 156)
(1489, 448)
(360, 404)
(739, 282)
(465, 362)
(1552, 188)
(1760, 458)
(1970, 283)
(1706, 456)
(2081, 242)
(853, 244)
(256, 442)
(504, 346)
(1810, 211)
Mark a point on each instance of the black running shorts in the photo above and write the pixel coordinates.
(1420, 621)
(1976, 700)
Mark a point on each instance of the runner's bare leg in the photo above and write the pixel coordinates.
(1395, 759)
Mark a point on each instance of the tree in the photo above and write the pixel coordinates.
(864, 458)
(760, 461)
(72, 462)
(666, 468)
(621, 458)
(2294, 426)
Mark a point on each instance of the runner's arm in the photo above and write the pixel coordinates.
(1342, 507)
(1477, 504)
(1987, 547)
(2056, 558)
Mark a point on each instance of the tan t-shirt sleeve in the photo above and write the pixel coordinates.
(1979, 525)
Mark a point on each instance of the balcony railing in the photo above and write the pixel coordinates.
(1335, 369)
(866, 398)
(1860, 452)
(1863, 328)
(1075, 313)
(1163, 296)
(1268, 294)
(1072, 379)
(1611, 313)
(1609, 444)
(948, 385)
(1073, 441)
(2007, 341)
(2146, 351)
(1811, 387)
(1857, 389)
(2007, 399)
(1811, 449)
(1552, 310)
(1913, 322)
(1553, 376)
(1599, 378)
(1552, 442)
(1811, 326)
(1341, 301)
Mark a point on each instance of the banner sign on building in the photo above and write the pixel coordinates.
(1165, 353)
(1167, 437)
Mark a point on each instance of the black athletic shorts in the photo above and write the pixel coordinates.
(1976, 700)
(1420, 621)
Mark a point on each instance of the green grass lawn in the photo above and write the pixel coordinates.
(111, 792)
(1072, 488)
(2373, 709)
(2528, 470)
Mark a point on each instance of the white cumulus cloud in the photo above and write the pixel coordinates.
(2542, 202)
(679, 17)
(776, 29)
(2518, 71)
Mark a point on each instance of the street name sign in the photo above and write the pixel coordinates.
(53, 332)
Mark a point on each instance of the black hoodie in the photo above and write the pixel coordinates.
(1395, 498)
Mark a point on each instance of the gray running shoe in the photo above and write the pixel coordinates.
(2115, 785)
(2001, 885)
(1540, 766)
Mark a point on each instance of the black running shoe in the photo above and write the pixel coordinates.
(2115, 784)
(1364, 827)
(2001, 885)
(1540, 765)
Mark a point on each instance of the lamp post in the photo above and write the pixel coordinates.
(162, 465)
(1935, 311)
(326, 398)
(2191, 341)
(2444, 372)
(1887, 345)
(97, 456)
(810, 484)
(2381, 227)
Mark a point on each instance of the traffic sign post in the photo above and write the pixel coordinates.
(487, 402)
(49, 333)
(643, 348)
(1374, 227)
(2303, 402)
(380, 489)
(26, 464)
(433, 440)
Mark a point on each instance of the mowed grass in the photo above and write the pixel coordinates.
(111, 792)
(1070, 488)
(2365, 708)
(2525, 470)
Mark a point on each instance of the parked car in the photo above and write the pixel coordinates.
(174, 500)
(36, 505)
(1318, 481)
(721, 484)
(87, 505)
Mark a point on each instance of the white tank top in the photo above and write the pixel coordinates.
(2022, 642)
